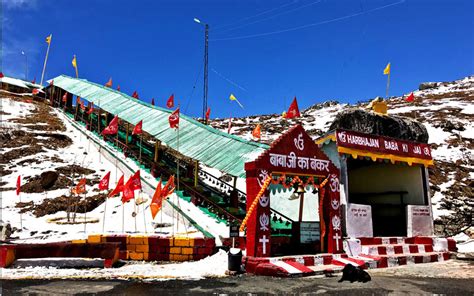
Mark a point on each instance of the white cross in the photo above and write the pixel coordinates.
(337, 237)
(264, 240)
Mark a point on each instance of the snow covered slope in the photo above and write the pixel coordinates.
(446, 109)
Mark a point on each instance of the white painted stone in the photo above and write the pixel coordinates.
(419, 221)
(359, 220)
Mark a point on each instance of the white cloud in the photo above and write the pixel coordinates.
(19, 4)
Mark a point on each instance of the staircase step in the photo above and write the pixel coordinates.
(407, 259)
(396, 249)
(329, 269)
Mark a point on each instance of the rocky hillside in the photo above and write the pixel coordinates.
(447, 111)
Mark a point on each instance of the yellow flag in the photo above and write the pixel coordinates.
(48, 39)
(386, 71)
(74, 62)
(232, 97)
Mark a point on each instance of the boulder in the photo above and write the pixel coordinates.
(393, 126)
(5, 231)
(48, 179)
(428, 85)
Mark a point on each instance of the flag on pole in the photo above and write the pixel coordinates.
(65, 97)
(410, 98)
(48, 39)
(35, 91)
(109, 83)
(156, 201)
(256, 133)
(33, 81)
(386, 71)
(137, 130)
(174, 119)
(128, 193)
(118, 87)
(293, 111)
(233, 98)
(208, 114)
(104, 183)
(135, 181)
(1, 75)
(153, 101)
(118, 187)
(74, 62)
(169, 187)
(91, 109)
(135, 95)
(80, 187)
(112, 128)
(170, 102)
(18, 185)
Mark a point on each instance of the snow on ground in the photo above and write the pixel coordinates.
(85, 153)
(213, 266)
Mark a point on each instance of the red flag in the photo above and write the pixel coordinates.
(170, 102)
(153, 101)
(132, 184)
(135, 95)
(118, 87)
(137, 129)
(174, 119)
(128, 193)
(168, 188)
(18, 185)
(35, 91)
(80, 187)
(33, 81)
(410, 98)
(81, 103)
(256, 133)
(118, 187)
(230, 125)
(65, 97)
(293, 111)
(109, 83)
(135, 182)
(208, 114)
(91, 108)
(112, 128)
(51, 83)
(104, 183)
(1, 75)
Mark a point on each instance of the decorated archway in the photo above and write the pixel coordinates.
(293, 154)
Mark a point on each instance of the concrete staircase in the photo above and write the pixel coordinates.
(366, 253)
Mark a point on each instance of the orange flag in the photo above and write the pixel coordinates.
(80, 187)
(256, 133)
(156, 201)
(109, 83)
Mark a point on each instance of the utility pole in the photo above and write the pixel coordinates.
(26, 65)
(206, 62)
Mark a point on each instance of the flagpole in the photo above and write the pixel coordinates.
(141, 141)
(388, 85)
(135, 207)
(144, 216)
(85, 213)
(45, 61)
(77, 72)
(21, 215)
(105, 210)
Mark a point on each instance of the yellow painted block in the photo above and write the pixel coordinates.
(180, 258)
(138, 240)
(79, 241)
(191, 242)
(135, 256)
(181, 242)
(142, 248)
(187, 251)
(175, 250)
(131, 247)
(94, 238)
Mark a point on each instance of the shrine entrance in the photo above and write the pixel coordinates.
(293, 203)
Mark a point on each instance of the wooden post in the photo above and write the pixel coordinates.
(157, 146)
(196, 173)
(126, 139)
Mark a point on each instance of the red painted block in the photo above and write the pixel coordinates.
(309, 260)
(452, 245)
(402, 260)
(413, 249)
(446, 255)
(210, 242)
(393, 240)
(428, 248)
(269, 269)
(327, 260)
(418, 258)
(199, 242)
(382, 250)
(398, 249)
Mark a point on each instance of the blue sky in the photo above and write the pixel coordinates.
(264, 52)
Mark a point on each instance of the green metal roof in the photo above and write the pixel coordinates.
(214, 148)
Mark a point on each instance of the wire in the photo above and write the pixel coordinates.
(228, 80)
(250, 17)
(272, 16)
(194, 87)
(309, 25)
